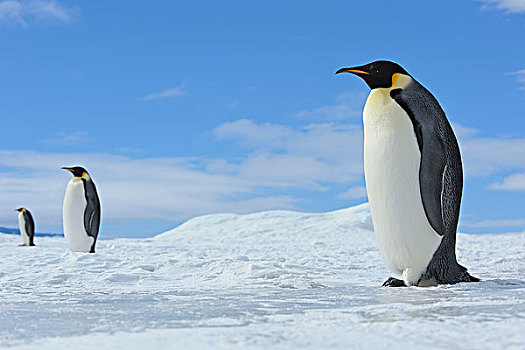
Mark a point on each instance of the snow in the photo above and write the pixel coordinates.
(277, 279)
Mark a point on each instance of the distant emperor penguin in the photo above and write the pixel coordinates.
(414, 177)
(81, 214)
(26, 225)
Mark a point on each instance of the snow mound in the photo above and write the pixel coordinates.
(275, 279)
(275, 222)
(273, 248)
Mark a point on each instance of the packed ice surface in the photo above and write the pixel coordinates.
(271, 280)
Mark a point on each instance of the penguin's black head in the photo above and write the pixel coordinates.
(378, 74)
(77, 171)
(20, 209)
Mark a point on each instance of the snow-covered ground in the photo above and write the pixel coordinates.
(271, 280)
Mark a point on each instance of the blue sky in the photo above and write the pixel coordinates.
(180, 109)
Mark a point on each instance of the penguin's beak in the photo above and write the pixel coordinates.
(353, 70)
(66, 168)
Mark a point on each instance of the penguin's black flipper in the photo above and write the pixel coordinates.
(29, 226)
(92, 212)
(440, 171)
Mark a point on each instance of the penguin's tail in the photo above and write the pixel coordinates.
(471, 278)
(467, 277)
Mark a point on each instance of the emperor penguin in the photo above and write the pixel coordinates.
(414, 177)
(81, 212)
(26, 225)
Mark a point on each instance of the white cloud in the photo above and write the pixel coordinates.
(21, 12)
(280, 159)
(327, 141)
(308, 155)
(515, 182)
(293, 170)
(168, 93)
(153, 188)
(511, 6)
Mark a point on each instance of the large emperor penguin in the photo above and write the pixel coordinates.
(414, 177)
(26, 225)
(81, 213)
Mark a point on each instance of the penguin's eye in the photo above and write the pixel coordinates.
(374, 70)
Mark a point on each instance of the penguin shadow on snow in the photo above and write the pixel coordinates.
(497, 283)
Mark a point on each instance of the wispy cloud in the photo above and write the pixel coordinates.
(130, 150)
(510, 6)
(23, 12)
(493, 156)
(168, 93)
(484, 156)
(497, 223)
(520, 78)
(347, 106)
(249, 133)
(515, 182)
(354, 192)
(68, 138)
(462, 131)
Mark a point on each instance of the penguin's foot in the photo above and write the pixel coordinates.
(394, 282)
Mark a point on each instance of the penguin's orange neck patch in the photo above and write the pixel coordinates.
(394, 78)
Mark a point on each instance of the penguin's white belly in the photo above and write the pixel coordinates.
(73, 217)
(392, 158)
(23, 232)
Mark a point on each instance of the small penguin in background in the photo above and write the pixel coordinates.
(414, 177)
(27, 226)
(81, 212)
